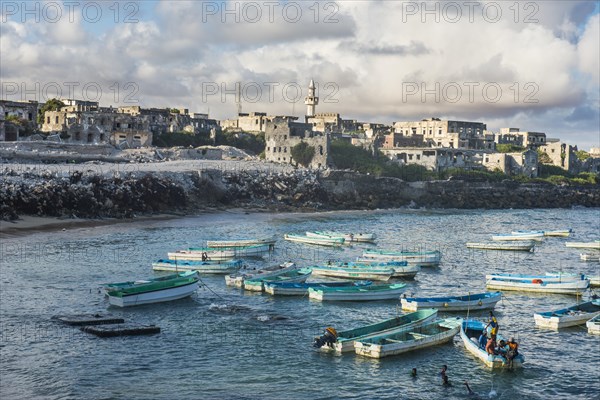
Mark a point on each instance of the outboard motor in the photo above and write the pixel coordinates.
(328, 338)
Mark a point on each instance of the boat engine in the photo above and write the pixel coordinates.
(328, 338)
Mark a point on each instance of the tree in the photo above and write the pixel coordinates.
(582, 155)
(50, 105)
(543, 157)
(509, 148)
(303, 154)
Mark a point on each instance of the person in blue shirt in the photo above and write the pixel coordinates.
(483, 339)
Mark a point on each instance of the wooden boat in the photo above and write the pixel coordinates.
(286, 288)
(204, 267)
(321, 241)
(575, 287)
(593, 325)
(422, 258)
(390, 344)
(348, 237)
(155, 290)
(589, 257)
(509, 246)
(566, 317)
(237, 280)
(401, 268)
(550, 277)
(594, 281)
(346, 339)
(365, 293)
(537, 235)
(469, 333)
(364, 273)
(223, 253)
(584, 245)
(241, 242)
(559, 232)
(478, 301)
(257, 284)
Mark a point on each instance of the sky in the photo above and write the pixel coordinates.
(533, 65)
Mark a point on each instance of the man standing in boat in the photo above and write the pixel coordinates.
(493, 323)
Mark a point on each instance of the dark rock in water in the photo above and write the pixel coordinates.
(128, 329)
(274, 317)
(88, 319)
(228, 308)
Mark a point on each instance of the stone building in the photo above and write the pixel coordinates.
(520, 138)
(561, 154)
(449, 134)
(281, 135)
(326, 122)
(252, 122)
(25, 111)
(436, 159)
(524, 163)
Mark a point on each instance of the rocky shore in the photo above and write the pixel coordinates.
(91, 193)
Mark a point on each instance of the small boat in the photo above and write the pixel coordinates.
(257, 284)
(401, 268)
(589, 257)
(365, 293)
(241, 242)
(321, 241)
(346, 339)
(537, 235)
(584, 245)
(509, 246)
(204, 267)
(559, 232)
(365, 273)
(237, 280)
(287, 288)
(422, 258)
(469, 333)
(155, 290)
(566, 317)
(550, 277)
(222, 253)
(390, 344)
(593, 325)
(594, 281)
(348, 237)
(575, 287)
(480, 301)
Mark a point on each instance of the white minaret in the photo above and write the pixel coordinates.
(311, 100)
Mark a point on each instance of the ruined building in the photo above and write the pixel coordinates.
(282, 134)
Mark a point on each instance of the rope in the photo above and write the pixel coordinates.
(212, 291)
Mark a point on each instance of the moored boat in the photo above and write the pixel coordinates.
(584, 245)
(240, 242)
(431, 334)
(257, 284)
(365, 273)
(589, 257)
(366, 293)
(401, 268)
(593, 325)
(287, 288)
(422, 258)
(549, 277)
(154, 290)
(508, 246)
(559, 232)
(204, 267)
(321, 241)
(469, 333)
(345, 339)
(348, 237)
(575, 287)
(237, 280)
(566, 317)
(537, 235)
(477, 301)
(219, 253)
(594, 281)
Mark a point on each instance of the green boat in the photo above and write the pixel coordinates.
(297, 275)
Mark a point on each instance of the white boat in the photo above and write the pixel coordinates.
(286, 288)
(401, 268)
(432, 334)
(549, 277)
(470, 332)
(559, 232)
(593, 325)
(594, 281)
(584, 245)
(366, 273)
(297, 275)
(576, 287)
(241, 242)
(321, 241)
(510, 246)
(363, 293)
(348, 237)
(237, 280)
(345, 339)
(566, 317)
(223, 253)
(204, 267)
(538, 236)
(590, 257)
(476, 301)
(422, 258)
(154, 290)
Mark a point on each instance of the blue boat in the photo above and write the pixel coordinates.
(476, 301)
(571, 316)
(301, 288)
(469, 333)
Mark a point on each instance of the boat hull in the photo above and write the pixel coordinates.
(354, 273)
(369, 293)
(470, 328)
(157, 296)
(202, 267)
(567, 317)
(584, 245)
(331, 242)
(451, 304)
(423, 259)
(574, 288)
(504, 246)
(593, 325)
(240, 243)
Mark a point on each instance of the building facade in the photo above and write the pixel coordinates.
(520, 138)
(439, 133)
(281, 135)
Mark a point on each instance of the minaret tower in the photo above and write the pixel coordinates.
(311, 101)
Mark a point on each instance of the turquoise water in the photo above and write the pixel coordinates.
(225, 343)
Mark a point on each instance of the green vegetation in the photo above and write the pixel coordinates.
(181, 139)
(50, 105)
(173, 111)
(245, 141)
(543, 157)
(302, 153)
(509, 148)
(582, 155)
